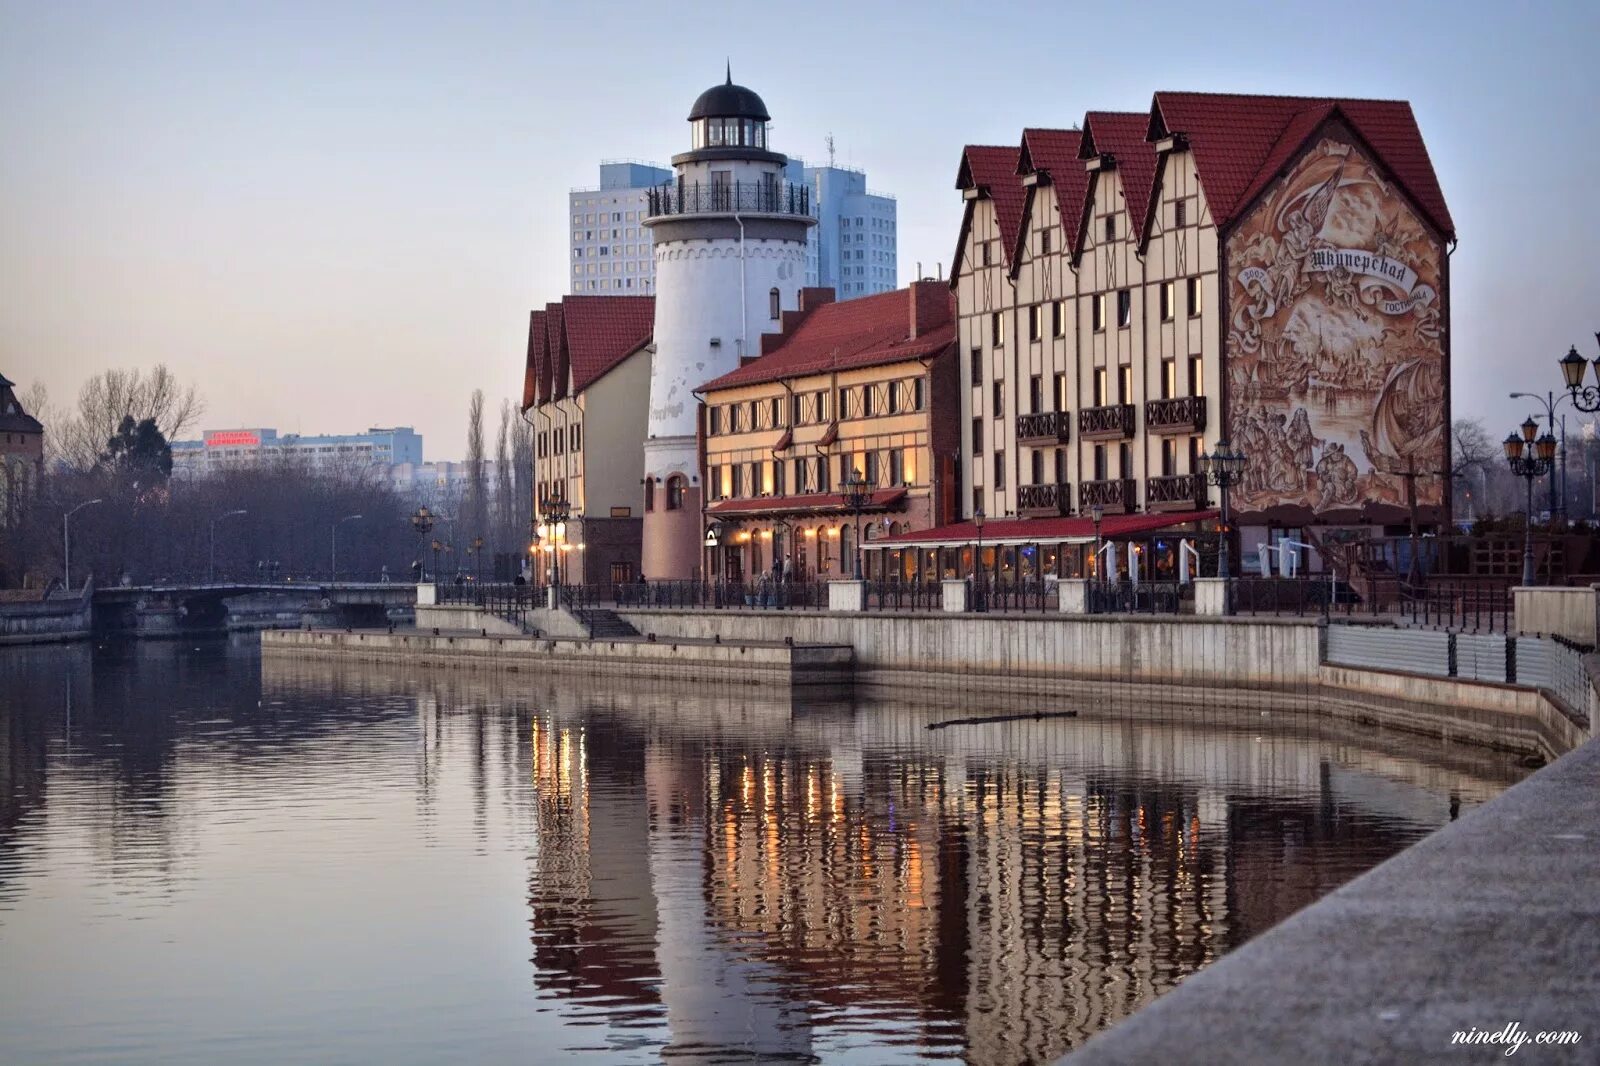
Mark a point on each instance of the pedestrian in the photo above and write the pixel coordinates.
(383, 574)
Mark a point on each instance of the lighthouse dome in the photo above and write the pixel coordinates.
(729, 101)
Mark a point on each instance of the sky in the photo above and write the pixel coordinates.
(334, 215)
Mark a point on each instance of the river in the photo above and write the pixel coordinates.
(210, 857)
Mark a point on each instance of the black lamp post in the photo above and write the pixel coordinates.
(1223, 467)
(977, 562)
(553, 513)
(857, 494)
(1585, 398)
(1098, 513)
(422, 525)
(1529, 459)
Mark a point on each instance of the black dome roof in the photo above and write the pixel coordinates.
(729, 101)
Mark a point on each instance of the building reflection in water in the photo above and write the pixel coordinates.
(791, 880)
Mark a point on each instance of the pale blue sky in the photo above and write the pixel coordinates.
(330, 215)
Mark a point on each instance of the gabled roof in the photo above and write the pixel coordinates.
(1242, 143)
(602, 331)
(992, 170)
(574, 343)
(21, 421)
(1121, 135)
(1054, 154)
(867, 331)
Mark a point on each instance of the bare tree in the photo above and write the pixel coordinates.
(522, 481)
(504, 506)
(109, 397)
(1473, 453)
(477, 487)
(36, 401)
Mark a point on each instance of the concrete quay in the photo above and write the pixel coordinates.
(754, 662)
(1492, 920)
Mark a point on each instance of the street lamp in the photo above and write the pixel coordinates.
(1585, 398)
(211, 567)
(1098, 513)
(553, 513)
(66, 542)
(1224, 467)
(335, 555)
(1551, 401)
(857, 494)
(1530, 460)
(977, 560)
(422, 525)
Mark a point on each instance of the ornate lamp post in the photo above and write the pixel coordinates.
(1529, 459)
(857, 494)
(977, 562)
(422, 525)
(66, 542)
(334, 556)
(1585, 398)
(1223, 468)
(1098, 513)
(553, 513)
(211, 562)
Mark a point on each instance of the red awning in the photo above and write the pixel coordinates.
(811, 503)
(1041, 530)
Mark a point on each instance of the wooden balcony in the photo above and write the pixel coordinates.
(1181, 414)
(1045, 427)
(1044, 501)
(1182, 492)
(1107, 423)
(1117, 496)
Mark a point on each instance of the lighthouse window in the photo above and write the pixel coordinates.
(772, 304)
(731, 133)
(716, 133)
(761, 134)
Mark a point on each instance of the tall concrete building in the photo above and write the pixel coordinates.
(851, 250)
(730, 246)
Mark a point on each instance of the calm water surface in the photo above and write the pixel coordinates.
(210, 857)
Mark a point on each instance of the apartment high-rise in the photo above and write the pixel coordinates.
(851, 250)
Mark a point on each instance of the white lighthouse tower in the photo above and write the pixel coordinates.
(730, 250)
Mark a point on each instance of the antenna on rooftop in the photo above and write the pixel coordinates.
(830, 150)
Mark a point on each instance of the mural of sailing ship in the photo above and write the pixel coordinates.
(1336, 357)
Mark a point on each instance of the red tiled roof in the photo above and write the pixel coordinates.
(1041, 530)
(532, 383)
(805, 504)
(555, 357)
(1122, 135)
(867, 331)
(602, 331)
(992, 169)
(1240, 143)
(1055, 153)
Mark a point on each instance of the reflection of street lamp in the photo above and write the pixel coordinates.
(211, 569)
(1530, 460)
(66, 542)
(857, 494)
(334, 559)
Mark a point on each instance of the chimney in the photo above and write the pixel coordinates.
(815, 297)
(930, 306)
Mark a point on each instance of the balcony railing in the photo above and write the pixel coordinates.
(753, 197)
(1105, 423)
(1117, 496)
(1182, 492)
(1182, 414)
(1047, 427)
(1044, 501)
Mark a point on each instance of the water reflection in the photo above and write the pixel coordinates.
(706, 873)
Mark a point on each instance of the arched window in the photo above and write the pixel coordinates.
(675, 492)
(649, 493)
(772, 305)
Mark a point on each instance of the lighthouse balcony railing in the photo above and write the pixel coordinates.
(738, 197)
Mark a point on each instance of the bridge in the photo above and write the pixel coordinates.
(177, 610)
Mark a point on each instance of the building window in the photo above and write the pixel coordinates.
(649, 494)
(998, 398)
(1124, 308)
(844, 403)
(868, 407)
(1035, 322)
(977, 366)
(1097, 311)
(1166, 301)
(773, 309)
(919, 394)
(1037, 463)
(1125, 384)
(999, 471)
(713, 421)
(1061, 466)
(871, 472)
(1169, 378)
(1100, 462)
(997, 329)
(1125, 459)
(1058, 319)
(1044, 242)
(1197, 377)
(1169, 457)
(675, 492)
(1061, 392)
(977, 436)
(988, 255)
(1180, 213)
(1111, 227)
(777, 477)
(1192, 294)
(1036, 393)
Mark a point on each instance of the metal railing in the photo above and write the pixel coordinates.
(755, 197)
(1117, 495)
(1110, 421)
(1045, 499)
(1180, 414)
(1044, 426)
(1016, 597)
(1468, 606)
(1125, 597)
(904, 596)
(723, 595)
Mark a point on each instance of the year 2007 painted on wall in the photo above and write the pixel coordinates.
(1335, 349)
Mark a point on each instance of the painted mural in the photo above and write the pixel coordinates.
(1336, 361)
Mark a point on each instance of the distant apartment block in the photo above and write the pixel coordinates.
(852, 249)
(225, 449)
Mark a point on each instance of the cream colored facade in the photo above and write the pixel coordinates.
(1039, 336)
(753, 485)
